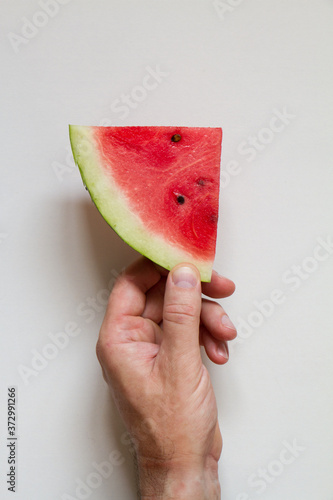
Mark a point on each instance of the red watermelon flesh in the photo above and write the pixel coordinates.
(165, 185)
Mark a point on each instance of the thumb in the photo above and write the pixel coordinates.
(181, 313)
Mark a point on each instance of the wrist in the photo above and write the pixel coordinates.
(179, 480)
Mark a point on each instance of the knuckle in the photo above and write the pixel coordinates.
(105, 349)
(100, 350)
(107, 357)
(179, 313)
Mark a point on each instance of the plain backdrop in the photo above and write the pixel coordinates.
(262, 70)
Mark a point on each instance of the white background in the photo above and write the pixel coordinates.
(233, 66)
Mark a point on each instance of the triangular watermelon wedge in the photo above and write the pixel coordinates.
(157, 187)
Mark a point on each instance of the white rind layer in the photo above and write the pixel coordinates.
(114, 207)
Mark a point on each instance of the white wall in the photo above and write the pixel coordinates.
(234, 64)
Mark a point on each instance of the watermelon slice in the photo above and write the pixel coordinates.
(157, 187)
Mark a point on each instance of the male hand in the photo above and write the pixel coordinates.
(149, 350)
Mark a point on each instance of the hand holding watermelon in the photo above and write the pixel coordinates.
(150, 356)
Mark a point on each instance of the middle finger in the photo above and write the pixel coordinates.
(216, 321)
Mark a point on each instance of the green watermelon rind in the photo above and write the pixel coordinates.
(114, 207)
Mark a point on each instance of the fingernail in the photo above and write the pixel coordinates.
(185, 277)
(226, 321)
(223, 350)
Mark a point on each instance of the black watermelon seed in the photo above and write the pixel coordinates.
(176, 138)
(201, 182)
(180, 200)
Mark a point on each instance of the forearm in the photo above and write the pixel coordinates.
(178, 482)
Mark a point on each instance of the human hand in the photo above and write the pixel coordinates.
(150, 356)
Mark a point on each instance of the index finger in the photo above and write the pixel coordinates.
(128, 297)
